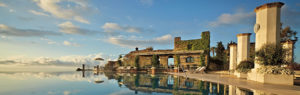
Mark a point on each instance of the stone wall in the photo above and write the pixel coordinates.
(195, 44)
(183, 62)
(185, 46)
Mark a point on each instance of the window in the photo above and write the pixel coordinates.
(189, 84)
(189, 59)
(189, 47)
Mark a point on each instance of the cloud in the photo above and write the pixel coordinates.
(12, 31)
(61, 75)
(12, 10)
(69, 28)
(239, 17)
(147, 2)
(68, 43)
(112, 27)
(289, 17)
(73, 11)
(82, 20)
(125, 42)
(6, 6)
(3, 5)
(37, 13)
(50, 42)
(71, 60)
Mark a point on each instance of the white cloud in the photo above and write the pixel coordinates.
(126, 42)
(62, 75)
(82, 20)
(112, 27)
(69, 28)
(12, 31)
(68, 43)
(57, 9)
(3, 5)
(37, 13)
(12, 10)
(50, 42)
(71, 60)
(147, 2)
(289, 17)
(239, 17)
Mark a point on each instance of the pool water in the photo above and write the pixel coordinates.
(99, 83)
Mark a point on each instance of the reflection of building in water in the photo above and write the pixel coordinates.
(168, 84)
(176, 85)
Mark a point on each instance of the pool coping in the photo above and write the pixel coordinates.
(228, 79)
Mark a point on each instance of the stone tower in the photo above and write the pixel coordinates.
(267, 27)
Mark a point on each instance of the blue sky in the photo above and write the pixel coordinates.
(78, 30)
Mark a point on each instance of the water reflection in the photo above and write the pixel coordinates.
(122, 83)
(172, 84)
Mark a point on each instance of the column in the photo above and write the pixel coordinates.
(243, 47)
(233, 56)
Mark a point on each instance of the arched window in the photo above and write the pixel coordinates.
(189, 59)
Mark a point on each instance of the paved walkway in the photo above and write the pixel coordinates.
(243, 83)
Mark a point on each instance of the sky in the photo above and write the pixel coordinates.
(64, 32)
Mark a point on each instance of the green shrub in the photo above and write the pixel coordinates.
(155, 61)
(245, 66)
(274, 70)
(271, 54)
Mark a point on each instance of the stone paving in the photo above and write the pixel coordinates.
(243, 83)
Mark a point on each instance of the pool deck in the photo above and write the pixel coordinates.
(243, 83)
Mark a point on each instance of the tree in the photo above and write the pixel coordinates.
(221, 56)
(220, 51)
(288, 34)
(155, 61)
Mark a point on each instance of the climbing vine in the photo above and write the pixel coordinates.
(177, 60)
(196, 44)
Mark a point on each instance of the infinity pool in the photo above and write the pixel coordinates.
(90, 83)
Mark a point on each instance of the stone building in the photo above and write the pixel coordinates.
(111, 65)
(191, 53)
